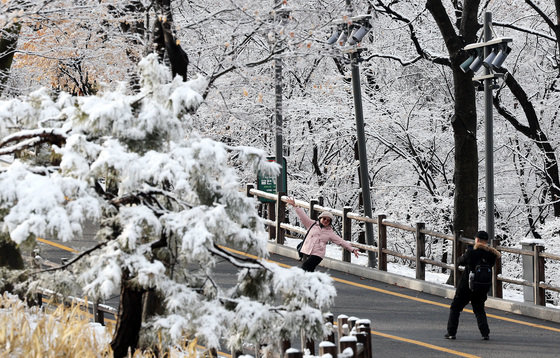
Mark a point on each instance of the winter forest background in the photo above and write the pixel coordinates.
(423, 116)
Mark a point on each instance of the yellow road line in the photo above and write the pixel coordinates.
(55, 244)
(535, 325)
(377, 333)
(380, 290)
(423, 344)
(387, 292)
(401, 295)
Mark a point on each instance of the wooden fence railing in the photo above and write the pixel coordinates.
(97, 310)
(534, 276)
(350, 336)
(94, 308)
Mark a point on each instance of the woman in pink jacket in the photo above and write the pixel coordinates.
(319, 235)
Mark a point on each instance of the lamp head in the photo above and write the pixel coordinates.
(335, 35)
(359, 34)
(465, 65)
(501, 57)
(488, 60)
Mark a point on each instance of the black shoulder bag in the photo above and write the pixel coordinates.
(300, 245)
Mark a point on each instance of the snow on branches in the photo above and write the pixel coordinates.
(168, 205)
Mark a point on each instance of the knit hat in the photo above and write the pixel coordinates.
(326, 214)
(482, 235)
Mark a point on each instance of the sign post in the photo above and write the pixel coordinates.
(267, 183)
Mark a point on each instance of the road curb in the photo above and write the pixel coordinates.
(522, 308)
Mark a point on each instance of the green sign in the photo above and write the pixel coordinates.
(267, 183)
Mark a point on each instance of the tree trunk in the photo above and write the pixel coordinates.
(129, 320)
(465, 211)
(10, 256)
(165, 40)
(317, 167)
(8, 44)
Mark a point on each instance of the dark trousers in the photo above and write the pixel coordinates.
(461, 299)
(311, 263)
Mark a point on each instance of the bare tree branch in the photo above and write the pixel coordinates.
(85, 253)
(525, 30)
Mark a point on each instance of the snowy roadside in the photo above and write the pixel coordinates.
(335, 252)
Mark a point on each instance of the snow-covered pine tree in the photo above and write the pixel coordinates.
(167, 202)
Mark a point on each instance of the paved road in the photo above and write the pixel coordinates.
(407, 323)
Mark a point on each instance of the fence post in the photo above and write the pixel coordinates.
(40, 300)
(533, 272)
(361, 344)
(248, 189)
(342, 327)
(420, 251)
(382, 242)
(497, 288)
(349, 342)
(293, 353)
(352, 322)
(329, 318)
(327, 347)
(98, 315)
(307, 343)
(364, 326)
(310, 344)
(271, 216)
(346, 231)
(280, 217)
(312, 212)
(456, 254)
(285, 344)
(539, 275)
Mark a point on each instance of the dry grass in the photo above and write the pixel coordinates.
(66, 332)
(62, 333)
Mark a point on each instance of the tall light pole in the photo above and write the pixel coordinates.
(362, 153)
(352, 35)
(489, 133)
(280, 14)
(491, 54)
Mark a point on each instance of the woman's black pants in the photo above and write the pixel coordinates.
(311, 263)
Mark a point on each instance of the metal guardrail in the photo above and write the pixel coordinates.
(537, 256)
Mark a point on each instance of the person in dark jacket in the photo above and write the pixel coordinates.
(481, 252)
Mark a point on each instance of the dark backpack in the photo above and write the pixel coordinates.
(300, 245)
(481, 277)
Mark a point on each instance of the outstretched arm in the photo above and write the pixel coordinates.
(305, 219)
(345, 244)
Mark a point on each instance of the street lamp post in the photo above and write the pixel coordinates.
(489, 131)
(494, 53)
(348, 33)
(362, 153)
(491, 54)
(281, 186)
